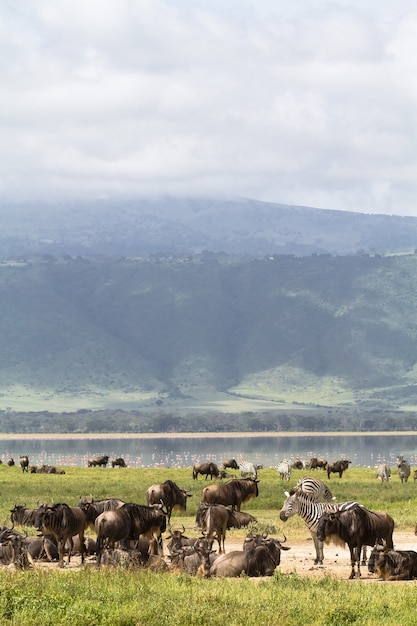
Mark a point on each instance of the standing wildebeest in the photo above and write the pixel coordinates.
(284, 470)
(93, 508)
(259, 560)
(207, 469)
(307, 507)
(24, 463)
(215, 519)
(337, 467)
(383, 472)
(393, 564)
(231, 464)
(315, 463)
(403, 469)
(170, 495)
(62, 522)
(357, 527)
(233, 493)
(10, 462)
(98, 461)
(127, 523)
(297, 464)
(119, 462)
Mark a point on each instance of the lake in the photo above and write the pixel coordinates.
(365, 450)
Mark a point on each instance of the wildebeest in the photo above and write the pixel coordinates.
(98, 461)
(215, 519)
(119, 462)
(357, 527)
(195, 559)
(403, 468)
(284, 470)
(260, 560)
(93, 508)
(62, 522)
(393, 564)
(316, 463)
(127, 523)
(46, 469)
(231, 464)
(248, 469)
(24, 462)
(297, 464)
(205, 469)
(170, 495)
(19, 514)
(337, 467)
(383, 472)
(234, 492)
(13, 548)
(177, 540)
(10, 462)
(307, 507)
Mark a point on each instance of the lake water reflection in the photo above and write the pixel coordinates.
(362, 450)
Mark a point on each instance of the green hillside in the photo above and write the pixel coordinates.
(209, 332)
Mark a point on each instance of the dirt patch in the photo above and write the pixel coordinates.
(298, 560)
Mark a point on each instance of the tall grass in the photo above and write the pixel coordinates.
(124, 597)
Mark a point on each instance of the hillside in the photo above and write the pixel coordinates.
(183, 226)
(209, 333)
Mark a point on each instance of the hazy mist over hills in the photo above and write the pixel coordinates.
(206, 305)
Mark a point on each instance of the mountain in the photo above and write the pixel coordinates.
(183, 226)
(209, 332)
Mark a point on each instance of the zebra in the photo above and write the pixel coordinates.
(403, 468)
(248, 469)
(284, 470)
(314, 487)
(307, 507)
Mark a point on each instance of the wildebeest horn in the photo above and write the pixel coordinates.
(283, 540)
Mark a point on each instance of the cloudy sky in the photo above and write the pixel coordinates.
(308, 102)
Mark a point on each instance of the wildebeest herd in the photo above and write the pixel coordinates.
(129, 534)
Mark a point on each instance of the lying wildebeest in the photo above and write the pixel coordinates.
(230, 464)
(24, 462)
(19, 514)
(233, 493)
(393, 564)
(144, 554)
(383, 472)
(177, 540)
(195, 559)
(62, 522)
(403, 469)
(13, 548)
(284, 470)
(119, 462)
(127, 523)
(259, 560)
(93, 508)
(357, 527)
(98, 461)
(315, 463)
(170, 495)
(205, 469)
(337, 467)
(46, 469)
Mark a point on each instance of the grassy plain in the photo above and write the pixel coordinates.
(142, 597)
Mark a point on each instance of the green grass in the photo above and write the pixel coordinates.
(141, 597)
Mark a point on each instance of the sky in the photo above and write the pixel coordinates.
(304, 102)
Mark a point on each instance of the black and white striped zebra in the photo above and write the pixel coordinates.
(310, 511)
(248, 469)
(314, 487)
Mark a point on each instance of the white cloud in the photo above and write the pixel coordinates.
(294, 102)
